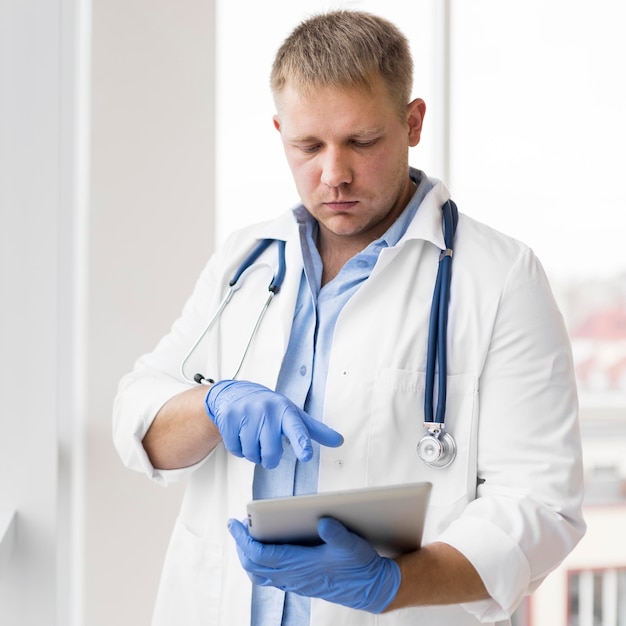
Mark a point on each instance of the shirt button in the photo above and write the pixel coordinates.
(303, 370)
(339, 464)
(362, 263)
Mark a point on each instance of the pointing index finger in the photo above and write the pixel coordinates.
(298, 435)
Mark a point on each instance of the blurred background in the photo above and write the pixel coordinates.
(136, 134)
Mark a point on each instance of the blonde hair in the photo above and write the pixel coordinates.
(345, 49)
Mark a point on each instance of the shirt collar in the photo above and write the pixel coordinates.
(398, 229)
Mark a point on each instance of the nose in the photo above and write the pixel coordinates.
(336, 168)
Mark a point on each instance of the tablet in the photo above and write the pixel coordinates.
(391, 518)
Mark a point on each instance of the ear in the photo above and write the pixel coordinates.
(276, 122)
(415, 112)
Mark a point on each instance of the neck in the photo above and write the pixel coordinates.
(336, 250)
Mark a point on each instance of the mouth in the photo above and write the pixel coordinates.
(341, 205)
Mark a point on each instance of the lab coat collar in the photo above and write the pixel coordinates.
(282, 228)
(426, 224)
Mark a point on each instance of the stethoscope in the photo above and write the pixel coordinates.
(436, 448)
(234, 284)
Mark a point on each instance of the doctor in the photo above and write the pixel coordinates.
(329, 390)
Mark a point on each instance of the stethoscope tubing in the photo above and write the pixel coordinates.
(257, 251)
(438, 323)
(234, 284)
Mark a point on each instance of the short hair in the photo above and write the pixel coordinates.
(345, 49)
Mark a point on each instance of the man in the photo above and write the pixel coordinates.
(329, 388)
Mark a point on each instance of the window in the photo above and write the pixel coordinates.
(597, 598)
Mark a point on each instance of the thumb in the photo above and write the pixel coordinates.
(334, 533)
(246, 545)
(239, 532)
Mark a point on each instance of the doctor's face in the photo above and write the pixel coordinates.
(348, 154)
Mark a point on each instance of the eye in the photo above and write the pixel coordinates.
(363, 143)
(309, 148)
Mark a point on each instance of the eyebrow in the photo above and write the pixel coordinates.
(363, 132)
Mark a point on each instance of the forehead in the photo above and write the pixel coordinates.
(333, 107)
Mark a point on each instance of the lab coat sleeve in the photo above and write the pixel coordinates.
(156, 378)
(527, 514)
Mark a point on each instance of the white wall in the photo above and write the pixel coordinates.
(151, 232)
(42, 183)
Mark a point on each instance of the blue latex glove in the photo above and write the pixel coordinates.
(345, 569)
(252, 420)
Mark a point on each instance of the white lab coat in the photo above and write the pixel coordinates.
(510, 502)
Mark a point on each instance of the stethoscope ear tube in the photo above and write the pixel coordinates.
(199, 378)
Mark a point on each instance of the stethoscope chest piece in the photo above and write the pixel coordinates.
(436, 448)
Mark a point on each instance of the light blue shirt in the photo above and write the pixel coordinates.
(303, 373)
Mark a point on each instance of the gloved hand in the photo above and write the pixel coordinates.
(345, 569)
(252, 420)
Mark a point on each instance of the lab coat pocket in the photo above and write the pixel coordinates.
(396, 426)
(190, 585)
